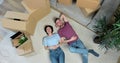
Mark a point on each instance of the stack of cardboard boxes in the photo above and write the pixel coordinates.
(87, 6)
(26, 22)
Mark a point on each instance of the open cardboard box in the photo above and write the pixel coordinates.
(23, 46)
(90, 4)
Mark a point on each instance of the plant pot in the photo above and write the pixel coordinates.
(97, 40)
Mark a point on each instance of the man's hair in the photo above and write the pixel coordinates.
(46, 28)
(55, 19)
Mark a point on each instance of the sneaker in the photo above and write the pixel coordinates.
(93, 52)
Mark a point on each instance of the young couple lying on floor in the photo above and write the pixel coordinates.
(66, 34)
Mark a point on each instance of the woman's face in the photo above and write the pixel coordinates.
(49, 30)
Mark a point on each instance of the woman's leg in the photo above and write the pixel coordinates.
(62, 57)
(53, 58)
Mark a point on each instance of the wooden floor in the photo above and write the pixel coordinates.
(11, 5)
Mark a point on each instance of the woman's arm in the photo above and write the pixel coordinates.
(51, 47)
(46, 47)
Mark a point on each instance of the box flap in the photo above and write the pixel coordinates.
(14, 25)
(30, 10)
(16, 15)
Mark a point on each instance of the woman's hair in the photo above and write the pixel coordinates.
(46, 28)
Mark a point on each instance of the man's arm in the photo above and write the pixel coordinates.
(63, 18)
(62, 41)
(71, 39)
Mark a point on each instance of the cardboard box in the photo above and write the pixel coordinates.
(33, 5)
(65, 2)
(91, 4)
(16, 15)
(26, 46)
(18, 39)
(15, 25)
(37, 14)
(24, 22)
(43, 6)
(27, 22)
(29, 10)
(87, 12)
(19, 22)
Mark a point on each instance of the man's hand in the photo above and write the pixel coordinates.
(73, 38)
(62, 40)
(63, 18)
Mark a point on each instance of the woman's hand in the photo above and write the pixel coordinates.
(62, 40)
(53, 47)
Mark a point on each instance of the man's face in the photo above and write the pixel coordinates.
(59, 23)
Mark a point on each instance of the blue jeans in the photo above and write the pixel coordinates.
(57, 56)
(78, 47)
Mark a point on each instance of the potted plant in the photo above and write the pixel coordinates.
(108, 36)
(100, 29)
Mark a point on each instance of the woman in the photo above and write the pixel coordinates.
(51, 42)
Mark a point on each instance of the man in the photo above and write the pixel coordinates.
(75, 44)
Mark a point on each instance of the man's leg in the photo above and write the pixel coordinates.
(78, 50)
(78, 47)
(93, 52)
(81, 45)
(83, 52)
